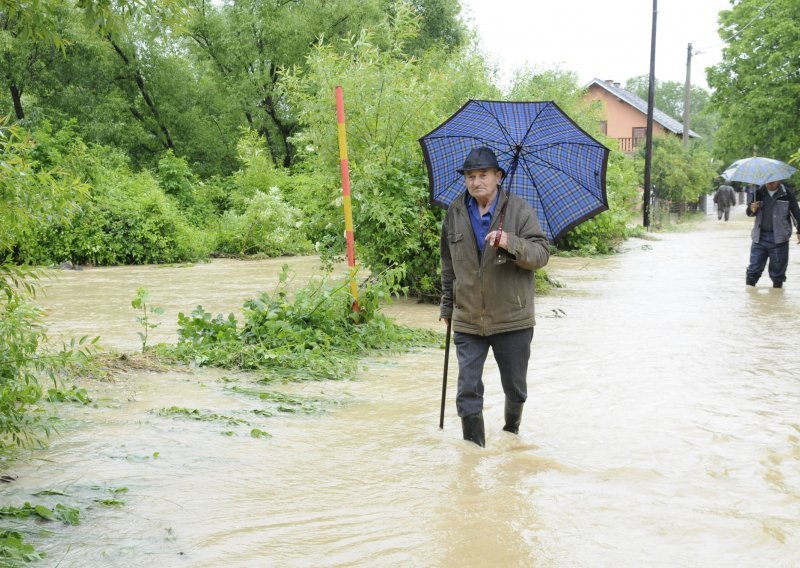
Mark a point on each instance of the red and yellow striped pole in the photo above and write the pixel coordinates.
(348, 208)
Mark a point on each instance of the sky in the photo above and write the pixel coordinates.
(604, 39)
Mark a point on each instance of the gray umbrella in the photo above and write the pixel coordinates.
(758, 170)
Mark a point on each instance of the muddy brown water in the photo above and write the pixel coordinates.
(662, 429)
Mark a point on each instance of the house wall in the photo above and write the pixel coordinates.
(621, 117)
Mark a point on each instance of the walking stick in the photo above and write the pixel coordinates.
(444, 376)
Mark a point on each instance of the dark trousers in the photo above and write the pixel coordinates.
(766, 249)
(511, 350)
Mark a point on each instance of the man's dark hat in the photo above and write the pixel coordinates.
(480, 159)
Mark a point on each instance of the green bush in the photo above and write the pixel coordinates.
(176, 178)
(127, 220)
(680, 174)
(20, 337)
(94, 209)
(399, 225)
(26, 357)
(268, 226)
(257, 174)
(30, 196)
(320, 201)
(212, 199)
(313, 333)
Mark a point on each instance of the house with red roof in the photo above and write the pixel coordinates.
(625, 116)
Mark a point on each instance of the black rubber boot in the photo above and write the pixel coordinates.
(777, 284)
(472, 427)
(750, 282)
(513, 416)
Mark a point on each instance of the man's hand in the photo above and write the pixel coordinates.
(754, 206)
(501, 243)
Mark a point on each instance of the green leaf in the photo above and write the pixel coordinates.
(44, 512)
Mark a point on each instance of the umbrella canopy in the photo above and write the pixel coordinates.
(758, 170)
(548, 159)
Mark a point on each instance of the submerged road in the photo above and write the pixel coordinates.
(662, 429)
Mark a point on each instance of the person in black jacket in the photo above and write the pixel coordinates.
(773, 207)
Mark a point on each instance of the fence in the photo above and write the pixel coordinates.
(629, 145)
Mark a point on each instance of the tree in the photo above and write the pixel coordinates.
(669, 98)
(113, 67)
(559, 86)
(681, 175)
(757, 83)
(439, 25)
(248, 44)
(391, 100)
(132, 29)
(30, 196)
(30, 38)
(150, 76)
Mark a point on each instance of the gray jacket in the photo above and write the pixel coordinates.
(480, 296)
(784, 208)
(725, 197)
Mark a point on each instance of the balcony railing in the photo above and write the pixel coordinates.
(629, 145)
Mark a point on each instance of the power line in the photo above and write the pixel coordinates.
(747, 25)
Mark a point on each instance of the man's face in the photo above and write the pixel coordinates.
(773, 185)
(482, 184)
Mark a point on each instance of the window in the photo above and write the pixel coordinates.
(639, 132)
(604, 127)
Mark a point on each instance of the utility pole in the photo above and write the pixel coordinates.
(648, 151)
(686, 95)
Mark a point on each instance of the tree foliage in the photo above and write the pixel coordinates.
(390, 100)
(681, 175)
(757, 84)
(30, 40)
(30, 196)
(149, 76)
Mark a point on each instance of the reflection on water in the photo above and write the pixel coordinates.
(662, 429)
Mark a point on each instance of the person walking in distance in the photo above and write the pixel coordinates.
(725, 198)
(488, 288)
(773, 207)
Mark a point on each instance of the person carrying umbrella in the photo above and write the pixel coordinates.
(773, 207)
(554, 178)
(491, 244)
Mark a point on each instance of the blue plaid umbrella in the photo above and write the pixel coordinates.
(758, 170)
(548, 159)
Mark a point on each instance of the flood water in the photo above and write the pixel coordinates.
(662, 429)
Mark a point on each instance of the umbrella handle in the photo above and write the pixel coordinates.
(511, 171)
(499, 232)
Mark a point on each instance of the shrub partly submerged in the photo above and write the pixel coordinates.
(312, 334)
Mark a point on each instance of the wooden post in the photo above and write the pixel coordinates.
(348, 209)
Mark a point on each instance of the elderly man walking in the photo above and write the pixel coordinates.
(488, 287)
